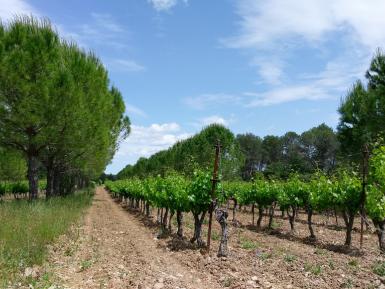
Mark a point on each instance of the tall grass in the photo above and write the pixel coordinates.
(26, 228)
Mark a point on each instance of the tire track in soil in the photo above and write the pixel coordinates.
(114, 250)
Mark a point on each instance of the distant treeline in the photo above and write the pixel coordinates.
(245, 155)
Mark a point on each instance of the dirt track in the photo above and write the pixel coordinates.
(114, 250)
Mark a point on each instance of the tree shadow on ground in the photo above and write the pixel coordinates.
(336, 248)
(177, 243)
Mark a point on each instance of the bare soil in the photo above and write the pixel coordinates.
(118, 248)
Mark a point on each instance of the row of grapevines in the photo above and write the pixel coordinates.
(18, 189)
(341, 194)
(173, 193)
(320, 193)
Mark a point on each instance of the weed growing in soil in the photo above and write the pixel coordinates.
(379, 268)
(26, 228)
(265, 255)
(348, 284)
(314, 269)
(215, 236)
(289, 258)
(86, 264)
(248, 244)
(275, 225)
(228, 281)
(353, 263)
(320, 251)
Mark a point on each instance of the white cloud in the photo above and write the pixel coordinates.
(144, 141)
(332, 82)
(165, 5)
(107, 22)
(206, 100)
(343, 33)
(102, 29)
(132, 109)
(126, 65)
(271, 71)
(11, 8)
(265, 22)
(213, 119)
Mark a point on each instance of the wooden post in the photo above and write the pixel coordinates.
(213, 186)
(365, 159)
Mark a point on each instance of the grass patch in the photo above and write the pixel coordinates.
(265, 255)
(320, 251)
(348, 284)
(289, 258)
(86, 264)
(314, 269)
(248, 244)
(215, 236)
(275, 225)
(379, 268)
(26, 228)
(353, 263)
(228, 281)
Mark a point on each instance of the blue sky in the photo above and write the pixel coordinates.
(257, 66)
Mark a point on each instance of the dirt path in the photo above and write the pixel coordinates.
(114, 250)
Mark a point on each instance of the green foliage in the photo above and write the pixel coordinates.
(3, 189)
(375, 199)
(347, 192)
(321, 191)
(57, 108)
(199, 192)
(295, 193)
(12, 165)
(342, 193)
(362, 111)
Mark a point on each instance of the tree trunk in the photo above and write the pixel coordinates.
(381, 234)
(50, 182)
(161, 216)
(198, 229)
(336, 215)
(164, 221)
(271, 215)
(260, 216)
(221, 217)
(33, 177)
(252, 211)
(309, 222)
(234, 208)
(291, 218)
(349, 221)
(147, 209)
(179, 219)
(169, 222)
